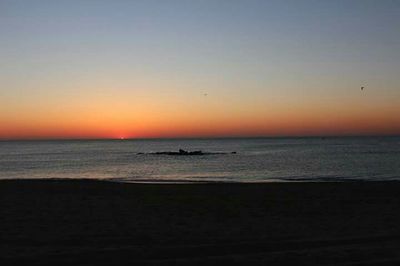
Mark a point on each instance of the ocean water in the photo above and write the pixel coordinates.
(257, 159)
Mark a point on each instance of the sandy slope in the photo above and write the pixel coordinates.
(101, 223)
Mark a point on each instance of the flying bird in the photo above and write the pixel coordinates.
(362, 88)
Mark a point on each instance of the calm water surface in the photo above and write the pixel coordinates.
(264, 159)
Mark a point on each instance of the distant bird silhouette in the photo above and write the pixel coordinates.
(362, 88)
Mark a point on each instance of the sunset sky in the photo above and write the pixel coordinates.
(137, 69)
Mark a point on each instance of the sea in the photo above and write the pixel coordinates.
(255, 159)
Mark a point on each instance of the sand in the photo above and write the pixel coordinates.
(83, 222)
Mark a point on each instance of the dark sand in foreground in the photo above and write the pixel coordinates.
(102, 223)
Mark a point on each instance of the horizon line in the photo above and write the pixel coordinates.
(201, 137)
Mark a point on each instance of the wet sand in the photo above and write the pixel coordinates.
(83, 222)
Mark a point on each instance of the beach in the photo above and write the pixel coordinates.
(88, 222)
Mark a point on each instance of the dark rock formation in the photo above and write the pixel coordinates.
(184, 153)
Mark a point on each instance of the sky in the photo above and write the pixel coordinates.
(149, 69)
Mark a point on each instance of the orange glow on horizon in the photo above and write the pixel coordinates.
(301, 123)
(222, 115)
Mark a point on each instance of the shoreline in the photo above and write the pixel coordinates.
(203, 182)
(77, 222)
